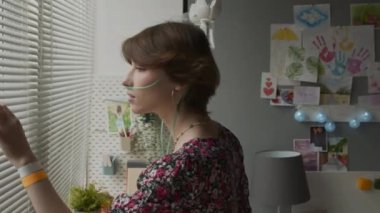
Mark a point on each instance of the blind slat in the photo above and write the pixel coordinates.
(17, 94)
(19, 48)
(18, 72)
(16, 87)
(18, 28)
(60, 34)
(14, 101)
(28, 21)
(18, 79)
(30, 14)
(18, 35)
(18, 57)
(48, 51)
(20, 64)
(54, 126)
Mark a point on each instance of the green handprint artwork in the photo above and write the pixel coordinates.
(296, 53)
(293, 70)
(299, 67)
(314, 65)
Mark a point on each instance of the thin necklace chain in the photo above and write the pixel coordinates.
(192, 125)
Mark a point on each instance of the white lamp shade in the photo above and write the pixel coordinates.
(279, 178)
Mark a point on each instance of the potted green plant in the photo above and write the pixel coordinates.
(88, 199)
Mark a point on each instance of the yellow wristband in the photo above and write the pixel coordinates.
(34, 178)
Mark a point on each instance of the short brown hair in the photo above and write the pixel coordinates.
(182, 50)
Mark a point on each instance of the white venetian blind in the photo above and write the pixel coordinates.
(18, 88)
(45, 78)
(64, 89)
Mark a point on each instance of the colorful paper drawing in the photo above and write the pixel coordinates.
(282, 36)
(343, 51)
(335, 90)
(318, 137)
(336, 159)
(340, 86)
(369, 100)
(268, 86)
(312, 16)
(118, 114)
(335, 99)
(300, 68)
(365, 14)
(309, 155)
(284, 97)
(286, 33)
(306, 95)
(374, 78)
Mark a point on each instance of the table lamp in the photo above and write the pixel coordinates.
(279, 179)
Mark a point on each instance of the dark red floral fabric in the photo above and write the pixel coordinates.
(205, 175)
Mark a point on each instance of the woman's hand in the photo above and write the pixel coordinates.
(12, 139)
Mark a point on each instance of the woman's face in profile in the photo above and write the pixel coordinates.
(151, 98)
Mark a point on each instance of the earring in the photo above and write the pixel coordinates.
(173, 99)
(173, 102)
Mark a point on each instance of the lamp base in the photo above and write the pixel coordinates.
(284, 209)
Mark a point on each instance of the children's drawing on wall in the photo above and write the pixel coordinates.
(268, 85)
(119, 120)
(335, 99)
(310, 155)
(336, 159)
(294, 67)
(282, 37)
(335, 90)
(343, 51)
(312, 16)
(298, 67)
(374, 78)
(318, 138)
(365, 14)
(284, 97)
(305, 95)
(356, 46)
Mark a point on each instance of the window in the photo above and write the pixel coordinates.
(46, 58)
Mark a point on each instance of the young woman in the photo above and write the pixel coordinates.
(173, 75)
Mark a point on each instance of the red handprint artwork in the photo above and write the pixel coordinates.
(355, 63)
(325, 54)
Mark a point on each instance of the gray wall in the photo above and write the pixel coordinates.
(242, 53)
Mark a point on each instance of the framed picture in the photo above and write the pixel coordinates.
(284, 97)
(365, 14)
(336, 159)
(318, 137)
(310, 156)
(118, 117)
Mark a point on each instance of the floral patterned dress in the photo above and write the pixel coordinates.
(205, 175)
